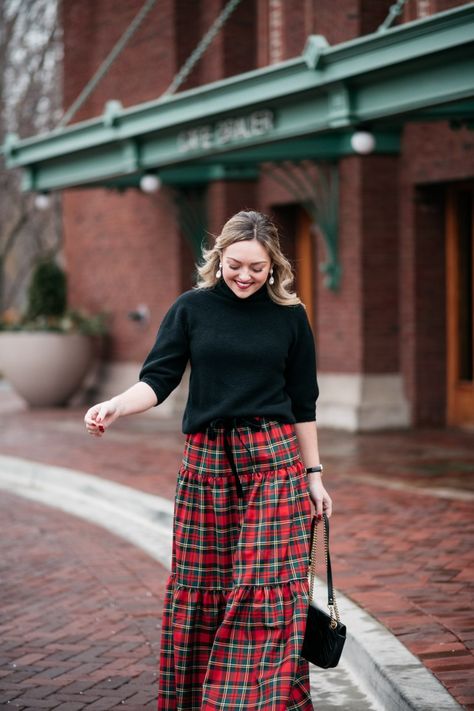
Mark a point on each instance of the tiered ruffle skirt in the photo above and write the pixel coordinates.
(237, 597)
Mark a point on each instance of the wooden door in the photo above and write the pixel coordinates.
(306, 272)
(460, 300)
(298, 244)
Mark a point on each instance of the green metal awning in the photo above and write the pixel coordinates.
(306, 107)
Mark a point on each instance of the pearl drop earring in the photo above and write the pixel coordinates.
(271, 280)
(219, 271)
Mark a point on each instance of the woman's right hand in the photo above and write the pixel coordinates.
(100, 416)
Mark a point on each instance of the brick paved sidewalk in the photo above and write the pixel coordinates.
(80, 614)
(403, 528)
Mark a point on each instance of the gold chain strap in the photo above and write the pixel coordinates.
(334, 612)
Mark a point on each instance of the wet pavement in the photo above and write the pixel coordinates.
(78, 618)
(402, 543)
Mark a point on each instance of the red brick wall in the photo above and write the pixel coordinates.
(338, 22)
(232, 51)
(423, 304)
(372, 13)
(437, 153)
(144, 68)
(119, 254)
(240, 40)
(189, 33)
(380, 263)
(227, 198)
(442, 5)
(416, 9)
(429, 401)
(354, 18)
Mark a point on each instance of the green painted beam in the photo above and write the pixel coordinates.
(114, 159)
(382, 79)
(462, 110)
(319, 146)
(236, 164)
(195, 174)
(188, 175)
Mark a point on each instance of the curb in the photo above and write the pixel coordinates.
(143, 519)
(391, 676)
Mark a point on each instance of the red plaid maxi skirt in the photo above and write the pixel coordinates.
(237, 597)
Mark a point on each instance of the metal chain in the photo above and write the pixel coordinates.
(312, 567)
(107, 63)
(333, 609)
(196, 55)
(393, 12)
(123, 41)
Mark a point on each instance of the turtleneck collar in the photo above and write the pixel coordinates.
(261, 295)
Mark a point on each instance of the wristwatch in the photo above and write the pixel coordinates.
(317, 468)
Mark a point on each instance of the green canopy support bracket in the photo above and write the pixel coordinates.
(339, 107)
(316, 187)
(191, 212)
(188, 186)
(112, 111)
(314, 51)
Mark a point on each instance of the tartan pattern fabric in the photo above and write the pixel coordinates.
(237, 598)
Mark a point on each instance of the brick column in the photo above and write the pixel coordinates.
(227, 198)
(360, 380)
(423, 303)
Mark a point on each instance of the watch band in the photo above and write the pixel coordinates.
(317, 468)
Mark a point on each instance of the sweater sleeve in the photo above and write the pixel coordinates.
(165, 364)
(300, 373)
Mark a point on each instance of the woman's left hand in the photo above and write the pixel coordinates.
(319, 496)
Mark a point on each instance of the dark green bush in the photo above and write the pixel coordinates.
(47, 308)
(47, 294)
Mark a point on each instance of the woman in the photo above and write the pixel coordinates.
(237, 597)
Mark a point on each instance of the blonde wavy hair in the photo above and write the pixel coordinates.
(248, 225)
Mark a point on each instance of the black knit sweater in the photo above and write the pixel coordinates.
(248, 356)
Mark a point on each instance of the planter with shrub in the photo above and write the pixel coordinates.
(45, 354)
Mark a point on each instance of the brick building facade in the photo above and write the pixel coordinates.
(383, 340)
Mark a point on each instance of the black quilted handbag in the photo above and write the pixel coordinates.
(325, 634)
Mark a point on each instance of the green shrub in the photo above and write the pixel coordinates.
(47, 294)
(47, 308)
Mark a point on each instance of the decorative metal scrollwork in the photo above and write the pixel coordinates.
(316, 187)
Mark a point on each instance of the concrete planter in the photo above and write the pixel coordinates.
(45, 368)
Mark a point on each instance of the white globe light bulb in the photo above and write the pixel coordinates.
(150, 183)
(42, 201)
(363, 142)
